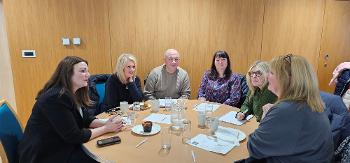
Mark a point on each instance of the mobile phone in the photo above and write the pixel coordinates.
(108, 141)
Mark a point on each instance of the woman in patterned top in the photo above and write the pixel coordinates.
(219, 84)
(258, 94)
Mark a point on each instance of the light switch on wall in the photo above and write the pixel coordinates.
(76, 41)
(65, 41)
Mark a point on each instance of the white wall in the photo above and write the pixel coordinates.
(6, 79)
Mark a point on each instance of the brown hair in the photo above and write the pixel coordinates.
(62, 78)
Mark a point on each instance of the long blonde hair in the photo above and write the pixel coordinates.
(261, 66)
(297, 81)
(123, 59)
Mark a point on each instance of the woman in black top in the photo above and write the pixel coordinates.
(123, 84)
(59, 123)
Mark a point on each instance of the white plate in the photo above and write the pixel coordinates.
(139, 129)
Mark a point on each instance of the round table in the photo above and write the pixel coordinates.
(150, 151)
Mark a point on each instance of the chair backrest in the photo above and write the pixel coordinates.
(244, 90)
(11, 131)
(100, 88)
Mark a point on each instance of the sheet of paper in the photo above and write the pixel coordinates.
(212, 144)
(230, 134)
(230, 117)
(158, 118)
(203, 106)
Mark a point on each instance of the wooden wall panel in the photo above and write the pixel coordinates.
(40, 25)
(196, 28)
(293, 27)
(335, 41)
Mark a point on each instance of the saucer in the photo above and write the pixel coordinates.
(138, 129)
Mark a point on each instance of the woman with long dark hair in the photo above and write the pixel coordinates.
(59, 123)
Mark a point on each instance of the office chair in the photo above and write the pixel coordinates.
(11, 132)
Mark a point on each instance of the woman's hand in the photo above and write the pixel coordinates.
(266, 108)
(240, 116)
(201, 99)
(114, 124)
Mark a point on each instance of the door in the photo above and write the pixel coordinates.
(335, 42)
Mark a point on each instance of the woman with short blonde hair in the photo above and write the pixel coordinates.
(123, 84)
(295, 128)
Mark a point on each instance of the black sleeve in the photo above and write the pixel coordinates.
(112, 96)
(135, 90)
(87, 118)
(59, 113)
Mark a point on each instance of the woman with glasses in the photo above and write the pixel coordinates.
(219, 84)
(258, 94)
(295, 128)
(123, 84)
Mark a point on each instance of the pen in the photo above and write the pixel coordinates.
(143, 141)
(193, 156)
(163, 118)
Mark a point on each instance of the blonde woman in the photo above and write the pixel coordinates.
(258, 94)
(295, 129)
(123, 84)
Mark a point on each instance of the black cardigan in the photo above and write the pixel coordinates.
(116, 92)
(54, 129)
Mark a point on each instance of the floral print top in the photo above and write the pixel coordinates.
(221, 90)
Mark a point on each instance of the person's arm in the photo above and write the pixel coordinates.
(134, 89)
(112, 95)
(202, 87)
(113, 124)
(150, 86)
(186, 88)
(246, 108)
(235, 92)
(58, 110)
(266, 140)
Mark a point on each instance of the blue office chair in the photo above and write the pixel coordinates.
(11, 131)
(100, 88)
(97, 92)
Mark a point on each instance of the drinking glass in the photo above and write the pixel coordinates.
(124, 106)
(168, 103)
(154, 106)
(186, 134)
(201, 119)
(165, 139)
(131, 118)
(136, 106)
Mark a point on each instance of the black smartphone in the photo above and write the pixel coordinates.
(108, 141)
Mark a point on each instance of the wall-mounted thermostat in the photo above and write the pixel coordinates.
(28, 53)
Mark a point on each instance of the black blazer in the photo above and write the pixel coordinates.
(54, 129)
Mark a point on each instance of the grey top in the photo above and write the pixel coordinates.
(291, 132)
(161, 84)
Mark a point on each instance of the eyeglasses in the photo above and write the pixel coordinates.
(288, 58)
(254, 73)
